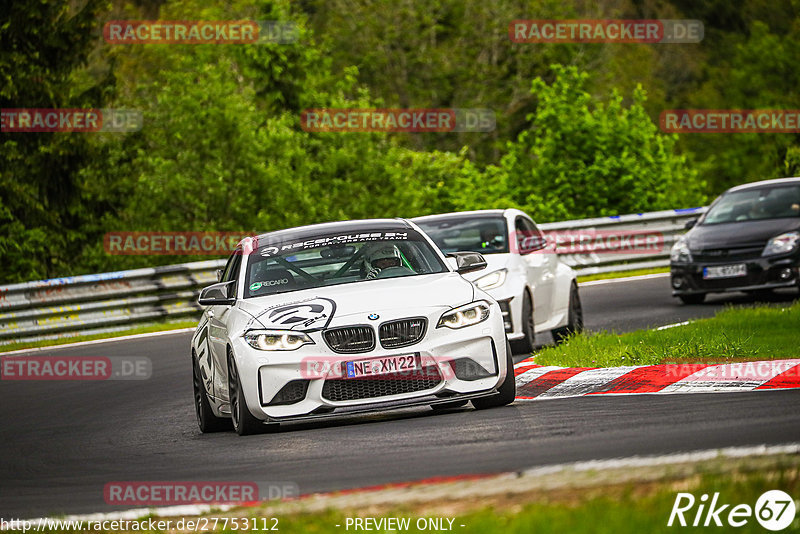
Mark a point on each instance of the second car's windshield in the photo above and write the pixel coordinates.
(756, 204)
(338, 259)
(485, 235)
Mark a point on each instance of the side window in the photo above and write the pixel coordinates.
(232, 269)
(529, 237)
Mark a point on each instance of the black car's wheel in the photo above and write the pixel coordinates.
(694, 298)
(525, 345)
(574, 316)
(243, 421)
(508, 389)
(206, 420)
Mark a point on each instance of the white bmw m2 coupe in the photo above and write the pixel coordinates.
(345, 317)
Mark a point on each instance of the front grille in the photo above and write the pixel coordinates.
(368, 388)
(293, 392)
(728, 254)
(505, 311)
(402, 333)
(350, 339)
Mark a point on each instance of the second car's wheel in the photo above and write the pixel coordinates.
(525, 345)
(574, 316)
(695, 298)
(507, 390)
(206, 420)
(243, 421)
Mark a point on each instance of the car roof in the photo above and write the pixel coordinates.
(762, 183)
(313, 230)
(465, 214)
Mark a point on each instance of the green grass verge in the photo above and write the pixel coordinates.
(612, 508)
(622, 274)
(734, 334)
(144, 329)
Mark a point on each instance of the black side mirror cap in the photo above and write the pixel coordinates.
(690, 223)
(467, 262)
(218, 294)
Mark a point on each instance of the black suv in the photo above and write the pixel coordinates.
(748, 240)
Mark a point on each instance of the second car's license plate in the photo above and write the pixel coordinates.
(382, 366)
(725, 271)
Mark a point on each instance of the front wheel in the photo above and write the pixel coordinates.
(574, 316)
(243, 421)
(526, 344)
(206, 420)
(508, 389)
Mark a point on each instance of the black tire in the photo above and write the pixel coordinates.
(449, 405)
(574, 316)
(243, 421)
(694, 298)
(206, 420)
(526, 344)
(508, 389)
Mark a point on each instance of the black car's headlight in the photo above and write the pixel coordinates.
(277, 339)
(782, 244)
(680, 252)
(467, 315)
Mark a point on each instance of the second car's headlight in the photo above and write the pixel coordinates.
(782, 244)
(467, 315)
(277, 339)
(492, 280)
(680, 252)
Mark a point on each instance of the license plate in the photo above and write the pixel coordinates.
(382, 366)
(725, 271)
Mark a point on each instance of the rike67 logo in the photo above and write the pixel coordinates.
(774, 510)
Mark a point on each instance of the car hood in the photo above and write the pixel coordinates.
(746, 233)
(494, 262)
(316, 308)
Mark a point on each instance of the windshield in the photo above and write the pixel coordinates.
(486, 235)
(327, 260)
(756, 204)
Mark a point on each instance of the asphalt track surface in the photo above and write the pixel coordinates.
(63, 441)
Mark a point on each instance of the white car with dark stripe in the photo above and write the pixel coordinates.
(341, 318)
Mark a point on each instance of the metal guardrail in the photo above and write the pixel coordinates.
(108, 302)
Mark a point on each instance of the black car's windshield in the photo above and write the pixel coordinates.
(486, 235)
(327, 260)
(775, 202)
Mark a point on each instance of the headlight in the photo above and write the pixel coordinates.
(467, 315)
(781, 244)
(492, 280)
(680, 252)
(277, 339)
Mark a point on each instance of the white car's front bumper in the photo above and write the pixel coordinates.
(315, 370)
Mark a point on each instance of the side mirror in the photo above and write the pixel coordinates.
(217, 294)
(467, 262)
(532, 244)
(218, 272)
(690, 223)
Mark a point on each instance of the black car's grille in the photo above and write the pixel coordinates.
(724, 255)
(350, 339)
(402, 333)
(367, 388)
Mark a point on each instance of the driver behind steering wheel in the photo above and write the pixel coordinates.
(384, 257)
